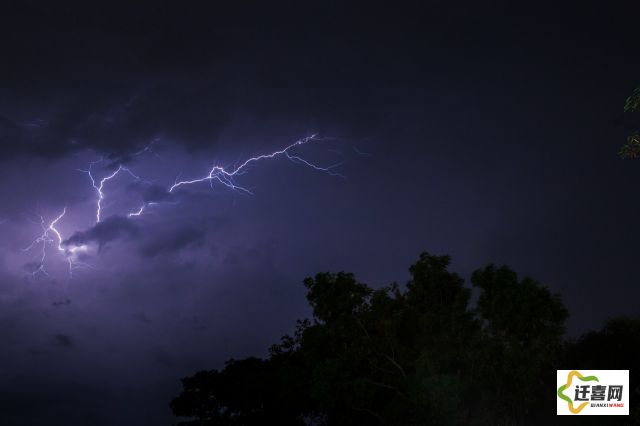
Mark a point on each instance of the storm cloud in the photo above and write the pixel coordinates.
(104, 232)
(487, 131)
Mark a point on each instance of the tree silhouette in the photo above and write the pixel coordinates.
(612, 348)
(412, 355)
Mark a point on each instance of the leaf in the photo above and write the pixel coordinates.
(633, 102)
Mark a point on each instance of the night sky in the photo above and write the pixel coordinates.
(486, 131)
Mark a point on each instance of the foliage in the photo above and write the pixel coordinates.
(614, 348)
(412, 355)
(631, 149)
(633, 101)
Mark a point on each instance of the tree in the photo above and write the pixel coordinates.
(245, 392)
(523, 329)
(412, 354)
(631, 149)
(612, 348)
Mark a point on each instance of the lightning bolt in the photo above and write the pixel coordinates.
(50, 234)
(99, 187)
(363, 153)
(141, 210)
(148, 148)
(46, 238)
(138, 212)
(225, 177)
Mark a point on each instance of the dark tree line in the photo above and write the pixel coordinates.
(414, 355)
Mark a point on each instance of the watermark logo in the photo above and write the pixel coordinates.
(593, 392)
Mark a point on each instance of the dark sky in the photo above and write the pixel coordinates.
(486, 131)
